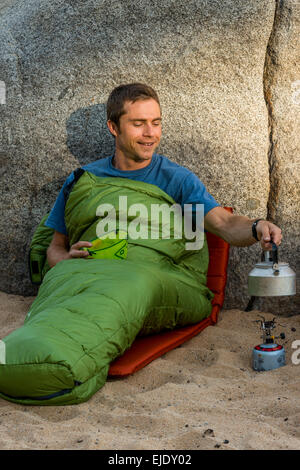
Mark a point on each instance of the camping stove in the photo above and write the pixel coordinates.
(268, 355)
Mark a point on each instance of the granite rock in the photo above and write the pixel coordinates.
(206, 58)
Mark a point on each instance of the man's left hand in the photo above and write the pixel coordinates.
(267, 233)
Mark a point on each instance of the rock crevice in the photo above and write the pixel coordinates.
(270, 71)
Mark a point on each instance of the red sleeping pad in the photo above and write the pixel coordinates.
(147, 348)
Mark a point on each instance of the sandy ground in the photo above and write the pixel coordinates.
(202, 395)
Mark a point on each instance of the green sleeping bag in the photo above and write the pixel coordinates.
(89, 311)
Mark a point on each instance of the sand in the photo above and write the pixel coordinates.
(202, 395)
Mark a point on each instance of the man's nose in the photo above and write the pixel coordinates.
(148, 130)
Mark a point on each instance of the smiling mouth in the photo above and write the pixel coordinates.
(146, 144)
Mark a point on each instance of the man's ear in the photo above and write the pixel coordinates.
(112, 127)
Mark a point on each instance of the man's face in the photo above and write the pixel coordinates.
(139, 130)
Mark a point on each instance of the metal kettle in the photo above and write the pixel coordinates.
(270, 277)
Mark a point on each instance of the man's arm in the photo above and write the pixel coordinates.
(237, 229)
(59, 249)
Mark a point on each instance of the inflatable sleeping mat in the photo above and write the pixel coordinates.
(146, 349)
(88, 312)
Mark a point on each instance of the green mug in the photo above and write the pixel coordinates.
(105, 247)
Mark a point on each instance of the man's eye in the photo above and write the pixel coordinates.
(137, 124)
(157, 123)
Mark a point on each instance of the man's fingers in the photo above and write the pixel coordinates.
(270, 233)
(267, 246)
(78, 253)
(276, 235)
(75, 251)
(80, 244)
(266, 238)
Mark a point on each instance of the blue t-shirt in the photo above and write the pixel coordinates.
(178, 182)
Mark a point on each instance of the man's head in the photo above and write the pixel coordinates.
(131, 93)
(134, 119)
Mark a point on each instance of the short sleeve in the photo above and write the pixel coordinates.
(56, 219)
(193, 191)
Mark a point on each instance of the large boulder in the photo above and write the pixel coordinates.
(282, 95)
(60, 60)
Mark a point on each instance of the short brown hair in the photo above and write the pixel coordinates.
(131, 92)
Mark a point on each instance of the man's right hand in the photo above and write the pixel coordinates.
(59, 249)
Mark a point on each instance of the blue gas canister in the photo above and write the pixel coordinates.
(269, 355)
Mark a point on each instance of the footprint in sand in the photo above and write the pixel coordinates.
(202, 357)
(64, 413)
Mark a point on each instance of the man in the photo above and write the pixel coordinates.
(134, 119)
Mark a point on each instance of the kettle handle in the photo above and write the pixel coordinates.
(266, 256)
(275, 259)
(274, 253)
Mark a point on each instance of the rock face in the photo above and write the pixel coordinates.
(282, 92)
(226, 74)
